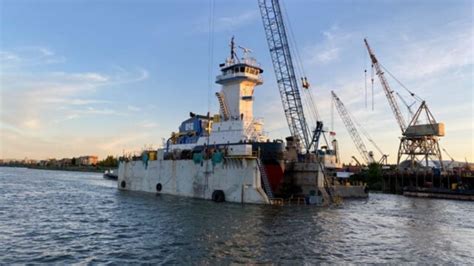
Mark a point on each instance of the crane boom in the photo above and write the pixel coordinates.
(388, 92)
(285, 74)
(351, 128)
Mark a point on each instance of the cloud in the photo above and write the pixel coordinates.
(18, 144)
(75, 101)
(437, 54)
(29, 97)
(133, 108)
(148, 124)
(32, 123)
(94, 111)
(327, 55)
(28, 56)
(228, 23)
(329, 49)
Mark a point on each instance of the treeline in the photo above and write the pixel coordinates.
(110, 161)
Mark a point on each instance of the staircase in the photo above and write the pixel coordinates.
(223, 105)
(265, 182)
(326, 192)
(250, 130)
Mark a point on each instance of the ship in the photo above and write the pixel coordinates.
(227, 156)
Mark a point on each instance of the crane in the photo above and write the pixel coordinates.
(386, 88)
(449, 155)
(383, 159)
(419, 141)
(356, 161)
(351, 128)
(277, 39)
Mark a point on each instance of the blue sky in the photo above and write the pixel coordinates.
(101, 77)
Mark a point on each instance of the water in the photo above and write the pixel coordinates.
(70, 217)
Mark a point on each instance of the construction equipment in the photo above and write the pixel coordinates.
(450, 157)
(285, 74)
(386, 88)
(419, 141)
(351, 128)
(356, 161)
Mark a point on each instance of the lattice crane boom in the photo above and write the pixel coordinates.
(386, 88)
(285, 73)
(351, 128)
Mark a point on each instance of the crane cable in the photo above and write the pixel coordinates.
(412, 94)
(308, 98)
(210, 52)
(210, 64)
(366, 134)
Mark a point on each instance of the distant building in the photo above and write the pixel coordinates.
(87, 160)
(52, 162)
(65, 162)
(29, 161)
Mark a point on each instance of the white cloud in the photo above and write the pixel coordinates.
(327, 55)
(133, 108)
(28, 56)
(436, 55)
(228, 23)
(32, 123)
(148, 124)
(42, 94)
(94, 77)
(94, 111)
(329, 49)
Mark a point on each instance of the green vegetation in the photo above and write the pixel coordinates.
(66, 164)
(110, 162)
(372, 175)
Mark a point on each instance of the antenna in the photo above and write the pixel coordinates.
(232, 48)
(246, 51)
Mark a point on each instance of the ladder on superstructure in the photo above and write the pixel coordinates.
(222, 105)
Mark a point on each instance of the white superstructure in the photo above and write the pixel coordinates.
(238, 176)
(235, 122)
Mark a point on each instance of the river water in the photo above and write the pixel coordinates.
(70, 217)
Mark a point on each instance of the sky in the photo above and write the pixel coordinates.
(106, 77)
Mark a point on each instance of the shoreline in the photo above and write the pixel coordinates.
(74, 169)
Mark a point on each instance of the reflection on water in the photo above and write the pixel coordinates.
(66, 217)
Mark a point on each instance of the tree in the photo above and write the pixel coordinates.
(374, 178)
(110, 161)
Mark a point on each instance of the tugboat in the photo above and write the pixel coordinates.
(221, 157)
(110, 174)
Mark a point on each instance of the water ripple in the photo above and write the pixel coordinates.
(56, 217)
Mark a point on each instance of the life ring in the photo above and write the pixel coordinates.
(159, 187)
(123, 184)
(218, 196)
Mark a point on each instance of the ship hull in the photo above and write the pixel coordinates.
(237, 178)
